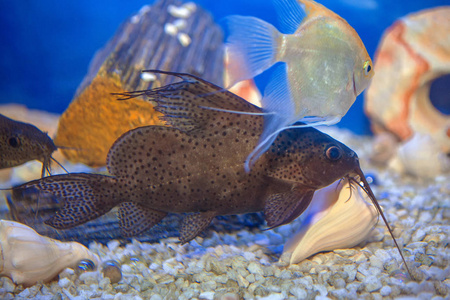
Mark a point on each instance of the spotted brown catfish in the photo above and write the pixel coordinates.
(196, 166)
(22, 142)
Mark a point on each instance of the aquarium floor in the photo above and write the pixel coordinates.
(249, 265)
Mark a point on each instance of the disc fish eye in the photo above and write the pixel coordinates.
(333, 153)
(14, 142)
(367, 68)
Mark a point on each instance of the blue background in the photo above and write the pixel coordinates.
(46, 45)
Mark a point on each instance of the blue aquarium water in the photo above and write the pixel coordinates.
(47, 44)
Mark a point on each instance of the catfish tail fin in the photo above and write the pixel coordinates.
(85, 197)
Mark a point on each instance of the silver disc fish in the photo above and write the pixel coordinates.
(325, 66)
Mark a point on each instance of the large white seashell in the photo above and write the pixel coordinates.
(339, 216)
(28, 258)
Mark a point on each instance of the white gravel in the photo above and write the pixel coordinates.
(247, 265)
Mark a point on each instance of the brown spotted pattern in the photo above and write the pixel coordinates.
(85, 197)
(135, 219)
(196, 165)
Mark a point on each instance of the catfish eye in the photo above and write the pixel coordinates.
(367, 67)
(14, 142)
(333, 153)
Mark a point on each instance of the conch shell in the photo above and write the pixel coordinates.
(339, 216)
(28, 258)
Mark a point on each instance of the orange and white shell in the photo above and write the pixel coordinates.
(413, 52)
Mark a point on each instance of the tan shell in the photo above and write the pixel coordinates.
(341, 217)
(28, 258)
(414, 51)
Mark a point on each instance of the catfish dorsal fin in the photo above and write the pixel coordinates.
(190, 104)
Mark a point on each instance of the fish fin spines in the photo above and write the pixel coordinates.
(192, 103)
(278, 95)
(290, 15)
(193, 224)
(280, 112)
(250, 48)
(85, 197)
(135, 219)
(283, 208)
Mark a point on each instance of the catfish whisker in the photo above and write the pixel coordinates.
(59, 164)
(370, 194)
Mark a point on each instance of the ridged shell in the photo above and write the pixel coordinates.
(28, 258)
(340, 216)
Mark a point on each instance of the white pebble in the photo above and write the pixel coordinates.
(107, 296)
(156, 297)
(127, 269)
(385, 290)
(250, 278)
(88, 277)
(417, 245)
(8, 285)
(298, 292)
(275, 296)
(383, 255)
(376, 262)
(147, 76)
(170, 29)
(372, 283)
(249, 256)
(419, 235)
(242, 281)
(64, 282)
(113, 245)
(254, 268)
(24, 294)
(207, 295)
(321, 289)
(209, 285)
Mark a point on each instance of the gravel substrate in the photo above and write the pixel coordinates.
(249, 265)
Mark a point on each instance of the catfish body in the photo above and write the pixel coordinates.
(22, 142)
(196, 166)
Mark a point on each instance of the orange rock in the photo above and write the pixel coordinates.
(96, 119)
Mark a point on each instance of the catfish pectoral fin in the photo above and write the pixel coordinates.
(135, 219)
(193, 224)
(283, 208)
